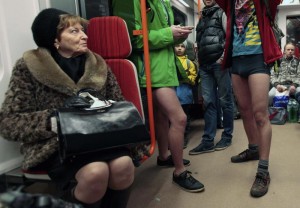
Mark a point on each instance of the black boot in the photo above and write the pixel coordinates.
(115, 198)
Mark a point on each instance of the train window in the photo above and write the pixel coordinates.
(293, 30)
(95, 8)
(179, 17)
(85, 8)
(289, 2)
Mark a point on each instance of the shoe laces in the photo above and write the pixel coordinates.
(261, 179)
(188, 176)
(245, 153)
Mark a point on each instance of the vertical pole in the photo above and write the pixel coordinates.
(148, 74)
(199, 8)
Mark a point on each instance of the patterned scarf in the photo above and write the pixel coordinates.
(242, 13)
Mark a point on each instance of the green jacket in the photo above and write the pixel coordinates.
(161, 42)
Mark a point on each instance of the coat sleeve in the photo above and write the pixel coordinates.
(20, 120)
(113, 90)
(192, 73)
(159, 36)
(274, 79)
(223, 4)
(273, 7)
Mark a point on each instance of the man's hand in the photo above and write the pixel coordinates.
(292, 89)
(281, 88)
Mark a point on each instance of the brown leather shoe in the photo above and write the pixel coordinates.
(260, 185)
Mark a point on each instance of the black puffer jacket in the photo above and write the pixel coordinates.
(210, 35)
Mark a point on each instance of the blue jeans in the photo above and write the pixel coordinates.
(216, 82)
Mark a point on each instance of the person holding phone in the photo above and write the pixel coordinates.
(170, 119)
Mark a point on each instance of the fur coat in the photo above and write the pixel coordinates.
(37, 87)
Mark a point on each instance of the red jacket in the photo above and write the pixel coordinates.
(271, 49)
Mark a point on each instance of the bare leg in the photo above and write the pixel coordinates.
(252, 97)
(170, 122)
(93, 179)
(120, 180)
(259, 86)
(243, 96)
(92, 182)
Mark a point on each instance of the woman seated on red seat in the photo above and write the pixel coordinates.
(42, 80)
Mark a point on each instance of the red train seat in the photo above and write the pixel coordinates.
(109, 37)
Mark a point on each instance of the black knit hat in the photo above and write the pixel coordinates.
(44, 27)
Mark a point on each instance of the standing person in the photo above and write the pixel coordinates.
(250, 46)
(42, 81)
(215, 82)
(170, 119)
(184, 91)
(287, 76)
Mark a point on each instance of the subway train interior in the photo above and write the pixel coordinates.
(227, 185)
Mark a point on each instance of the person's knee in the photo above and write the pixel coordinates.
(261, 118)
(92, 182)
(121, 173)
(94, 176)
(181, 121)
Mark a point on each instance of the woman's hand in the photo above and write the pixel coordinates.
(181, 32)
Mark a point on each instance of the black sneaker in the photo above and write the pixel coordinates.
(260, 185)
(237, 116)
(220, 126)
(187, 182)
(223, 144)
(245, 156)
(202, 148)
(185, 142)
(169, 162)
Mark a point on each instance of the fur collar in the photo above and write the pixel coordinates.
(44, 68)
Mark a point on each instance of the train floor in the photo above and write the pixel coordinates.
(227, 185)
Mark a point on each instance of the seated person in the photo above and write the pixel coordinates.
(288, 75)
(42, 80)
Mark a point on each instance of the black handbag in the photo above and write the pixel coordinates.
(85, 130)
